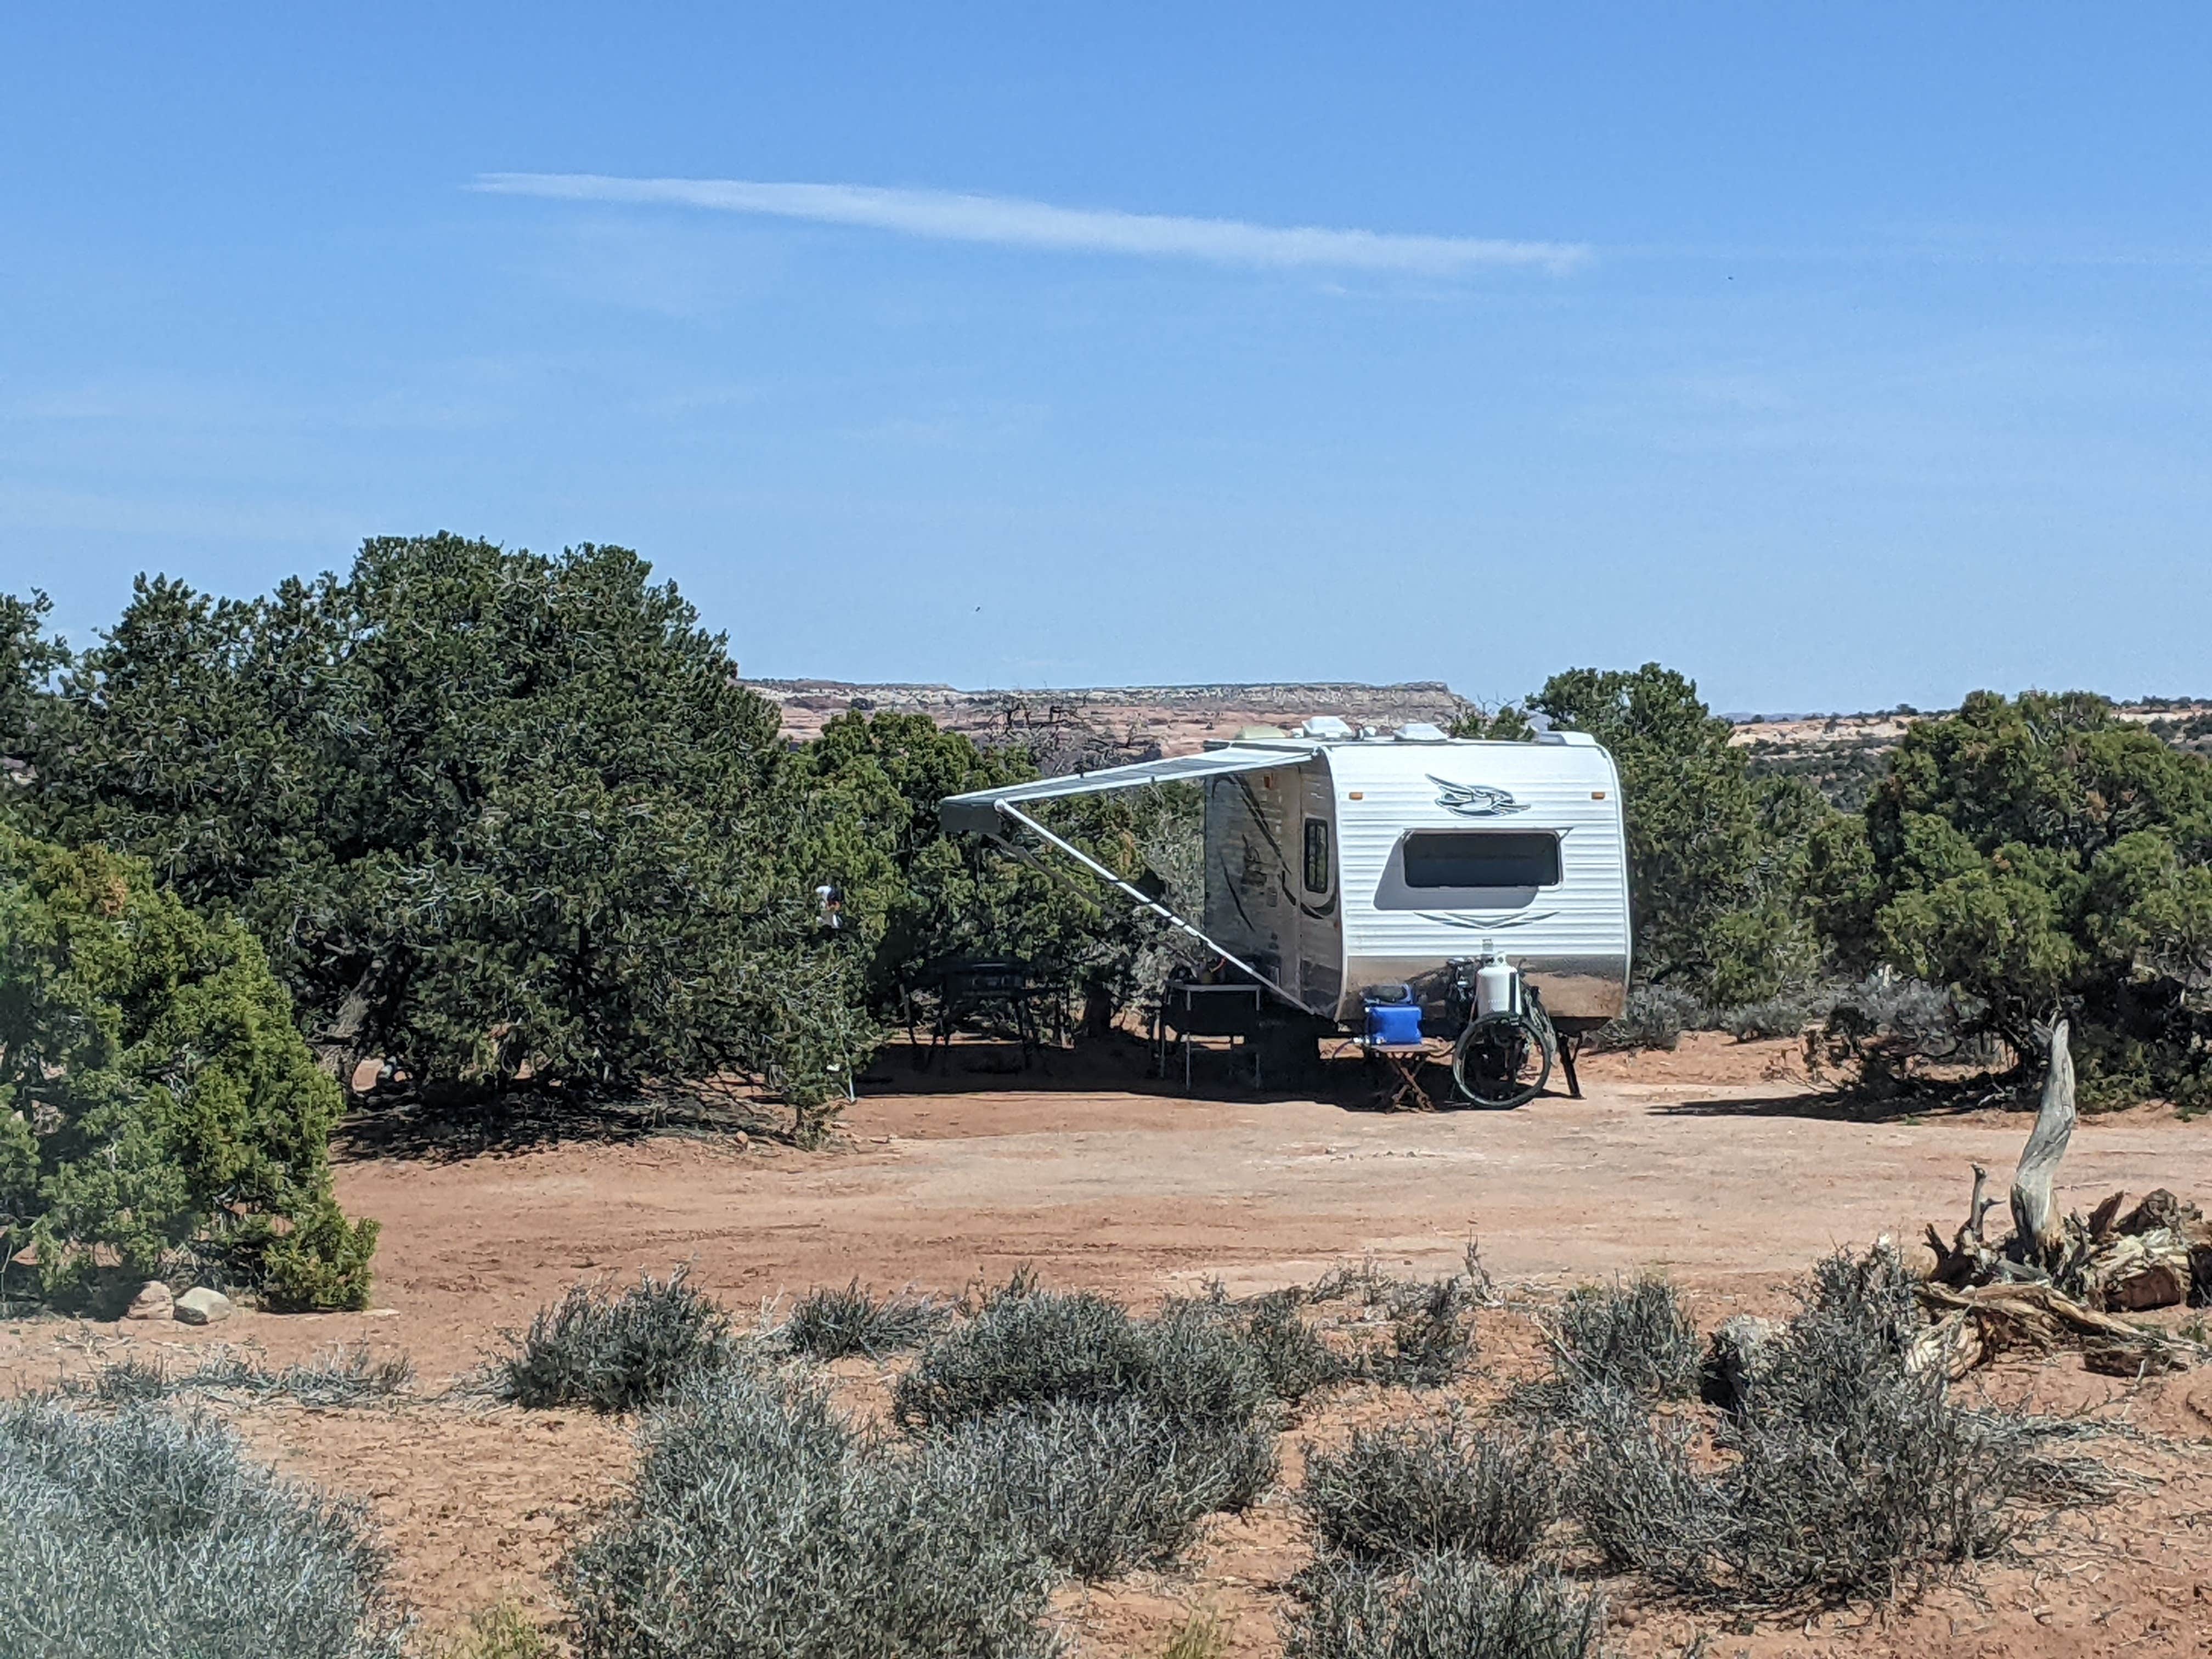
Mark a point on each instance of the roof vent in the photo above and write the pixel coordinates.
(1259, 733)
(1324, 725)
(1420, 732)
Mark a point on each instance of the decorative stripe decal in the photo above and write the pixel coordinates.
(1489, 924)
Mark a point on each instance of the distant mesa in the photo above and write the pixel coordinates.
(1093, 725)
(1089, 727)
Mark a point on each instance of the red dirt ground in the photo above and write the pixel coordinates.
(1717, 1163)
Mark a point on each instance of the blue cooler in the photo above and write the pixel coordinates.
(1394, 1023)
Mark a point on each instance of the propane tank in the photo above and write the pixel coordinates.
(1496, 988)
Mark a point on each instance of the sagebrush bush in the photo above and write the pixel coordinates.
(1291, 1352)
(1200, 1370)
(1364, 1282)
(1783, 1016)
(829, 1323)
(1028, 1347)
(1097, 1439)
(1405, 1490)
(1848, 1473)
(1654, 1017)
(145, 1535)
(1024, 1346)
(759, 1526)
(615, 1352)
(1443, 1606)
(1431, 1334)
(1097, 1488)
(1636, 1336)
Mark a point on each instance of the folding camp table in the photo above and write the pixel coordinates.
(1191, 1010)
(1403, 1062)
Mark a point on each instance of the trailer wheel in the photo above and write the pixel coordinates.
(1503, 1061)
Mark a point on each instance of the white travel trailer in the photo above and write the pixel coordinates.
(1337, 863)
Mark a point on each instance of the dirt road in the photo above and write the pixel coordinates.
(1728, 1184)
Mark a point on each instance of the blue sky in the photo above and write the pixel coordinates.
(1836, 356)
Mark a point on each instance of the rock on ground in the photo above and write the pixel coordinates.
(202, 1306)
(152, 1301)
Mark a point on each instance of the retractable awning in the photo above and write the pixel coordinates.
(978, 813)
(994, 812)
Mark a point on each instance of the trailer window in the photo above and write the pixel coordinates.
(1482, 858)
(1316, 856)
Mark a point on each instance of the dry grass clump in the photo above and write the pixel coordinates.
(1431, 1322)
(503, 1632)
(1845, 1474)
(614, 1354)
(1431, 1334)
(829, 1323)
(1202, 1636)
(1443, 1606)
(142, 1533)
(1407, 1490)
(759, 1525)
(337, 1377)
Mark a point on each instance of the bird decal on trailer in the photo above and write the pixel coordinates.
(1474, 800)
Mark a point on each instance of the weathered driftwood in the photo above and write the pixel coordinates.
(1967, 1259)
(1971, 1326)
(2057, 1283)
(2037, 1234)
(2136, 1271)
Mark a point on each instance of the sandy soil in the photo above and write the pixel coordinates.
(1715, 1163)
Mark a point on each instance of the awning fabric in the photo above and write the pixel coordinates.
(977, 814)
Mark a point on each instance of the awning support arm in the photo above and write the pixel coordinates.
(1148, 903)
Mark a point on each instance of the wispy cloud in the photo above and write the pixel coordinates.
(1010, 222)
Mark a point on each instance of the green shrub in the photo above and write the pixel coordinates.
(322, 1263)
(615, 1352)
(1713, 855)
(759, 1526)
(1404, 1490)
(489, 812)
(831, 1324)
(2038, 854)
(143, 1535)
(155, 1100)
(1443, 1606)
(1635, 1337)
